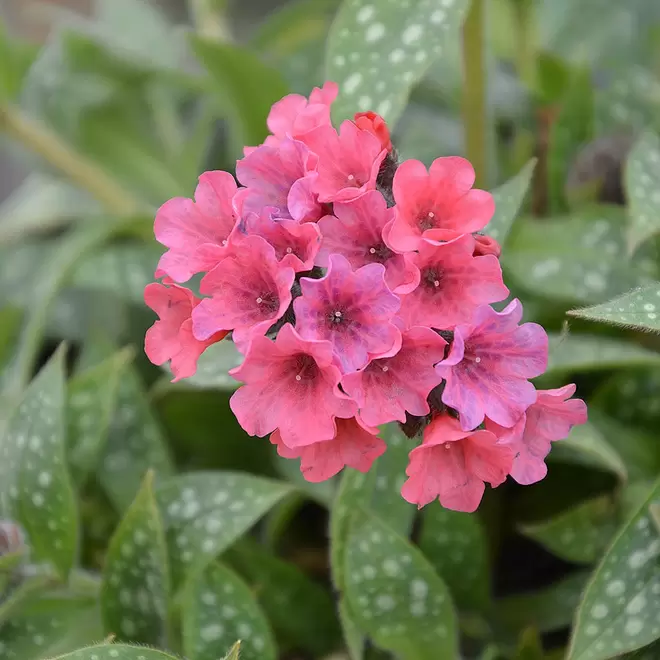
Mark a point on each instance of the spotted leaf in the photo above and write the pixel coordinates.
(579, 535)
(135, 590)
(620, 609)
(377, 51)
(117, 652)
(395, 595)
(637, 309)
(508, 200)
(35, 487)
(205, 512)
(641, 180)
(218, 609)
(455, 545)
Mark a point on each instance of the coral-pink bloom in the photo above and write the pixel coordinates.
(348, 161)
(196, 232)
(486, 245)
(355, 445)
(452, 285)
(399, 381)
(292, 385)
(249, 290)
(296, 245)
(438, 204)
(294, 116)
(356, 230)
(489, 364)
(171, 338)
(452, 465)
(281, 177)
(549, 419)
(351, 309)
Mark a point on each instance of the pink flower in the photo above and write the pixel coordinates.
(398, 381)
(549, 419)
(452, 465)
(356, 231)
(281, 177)
(249, 291)
(485, 245)
(196, 231)
(453, 284)
(489, 363)
(352, 310)
(374, 123)
(439, 204)
(294, 116)
(348, 161)
(354, 445)
(171, 338)
(291, 384)
(296, 245)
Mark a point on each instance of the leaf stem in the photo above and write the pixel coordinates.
(39, 139)
(474, 91)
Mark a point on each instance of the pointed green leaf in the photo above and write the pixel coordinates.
(49, 626)
(395, 595)
(301, 611)
(641, 179)
(621, 605)
(581, 257)
(353, 638)
(35, 487)
(586, 446)
(213, 367)
(547, 609)
(244, 87)
(117, 652)
(205, 512)
(135, 590)
(529, 646)
(91, 401)
(218, 609)
(508, 200)
(135, 444)
(377, 51)
(455, 545)
(579, 535)
(635, 309)
(234, 652)
(575, 353)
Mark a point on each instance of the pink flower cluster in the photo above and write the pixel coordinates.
(358, 289)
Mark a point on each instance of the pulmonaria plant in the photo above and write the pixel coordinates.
(358, 290)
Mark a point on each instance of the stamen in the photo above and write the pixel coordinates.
(436, 282)
(224, 242)
(350, 177)
(431, 214)
(298, 377)
(372, 250)
(338, 315)
(477, 359)
(259, 301)
(385, 368)
(289, 250)
(447, 445)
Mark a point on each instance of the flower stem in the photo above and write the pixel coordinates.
(474, 91)
(36, 137)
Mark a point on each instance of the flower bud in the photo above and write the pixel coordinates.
(370, 121)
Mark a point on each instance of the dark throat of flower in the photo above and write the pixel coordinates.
(385, 177)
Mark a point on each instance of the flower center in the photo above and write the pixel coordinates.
(432, 279)
(380, 253)
(426, 221)
(305, 368)
(268, 303)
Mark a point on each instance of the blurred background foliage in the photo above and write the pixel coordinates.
(110, 107)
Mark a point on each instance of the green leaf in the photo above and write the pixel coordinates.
(35, 487)
(10, 323)
(50, 625)
(508, 200)
(575, 353)
(587, 446)
(16, 58)
(301, 612)
(205, 512)
(579, 535)
(579, 258)
(529, 646)
(116, 652)
(548, 609)
(455, 545)
(234, 652)
(218, 609)
(213, 367)
(244, 87)
(123, 270)
(641, 180)
(395, 595)
(352, 635)
(135, 444)
(620, 607)
(91, 400)
(135, 590)
(636, 309)
(377, 52)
